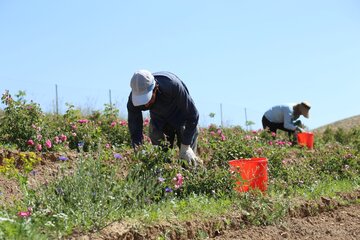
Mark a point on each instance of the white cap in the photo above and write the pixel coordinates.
(142, 84)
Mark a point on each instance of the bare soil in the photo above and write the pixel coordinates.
(342, 223)
(324, 219)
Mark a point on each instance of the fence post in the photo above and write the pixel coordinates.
(110, 98)
(56, 100)
(221, 115)
(246, 121)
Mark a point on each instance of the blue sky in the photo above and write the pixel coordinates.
(235, 54)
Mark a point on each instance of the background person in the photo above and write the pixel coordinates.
(284, 117)
(172, 112)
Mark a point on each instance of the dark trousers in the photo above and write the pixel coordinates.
(273, 127)
(166, 137)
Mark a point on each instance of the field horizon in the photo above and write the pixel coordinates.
(346, 123)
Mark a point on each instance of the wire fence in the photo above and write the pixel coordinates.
(53, 98)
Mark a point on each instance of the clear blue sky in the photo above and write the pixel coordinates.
(241, 54)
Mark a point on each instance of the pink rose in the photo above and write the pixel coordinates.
(178, 180)
(63, 138)
(81, 121)
(25, 214)
(247, 137)
(48, 143)
(39, 147)
(30, 142)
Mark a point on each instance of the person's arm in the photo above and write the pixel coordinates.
(288, 122)
(135, 123)
(187, 106)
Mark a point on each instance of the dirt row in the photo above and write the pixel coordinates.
(323, 219)
(342, 223)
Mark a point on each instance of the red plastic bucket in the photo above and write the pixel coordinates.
(252, 173)
(306, 139)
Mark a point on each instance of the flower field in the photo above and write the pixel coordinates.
(73, 176)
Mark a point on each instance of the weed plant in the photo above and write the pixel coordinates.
(86, 200)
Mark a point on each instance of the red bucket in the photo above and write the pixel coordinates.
(306, 139)
(252, 173)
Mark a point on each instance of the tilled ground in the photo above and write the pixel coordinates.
(323, 219)
(340, 224)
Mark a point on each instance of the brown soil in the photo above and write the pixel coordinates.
(43, 173)
(342, 223)
(325, 219)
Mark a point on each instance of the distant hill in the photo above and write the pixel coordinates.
(346, 123)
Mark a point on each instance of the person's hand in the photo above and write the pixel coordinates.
(299, 129)
(188, 154)
(298, 123)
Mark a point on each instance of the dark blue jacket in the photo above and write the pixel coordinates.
(173, 106)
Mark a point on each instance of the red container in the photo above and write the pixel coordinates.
(252, 173)
(306, 139)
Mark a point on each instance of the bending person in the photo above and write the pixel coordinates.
(172, 112)
(284, 117)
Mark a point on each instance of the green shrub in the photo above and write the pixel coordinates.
(83, 134)
(115, 130)
(21, 120)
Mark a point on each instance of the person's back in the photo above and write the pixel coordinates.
(174, 104)
(278, 113)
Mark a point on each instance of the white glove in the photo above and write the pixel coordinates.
(188, 154)
(299, 129)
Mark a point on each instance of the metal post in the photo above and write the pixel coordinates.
(246, 121)
(221, 115)
(110, 98)
(56, 100)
